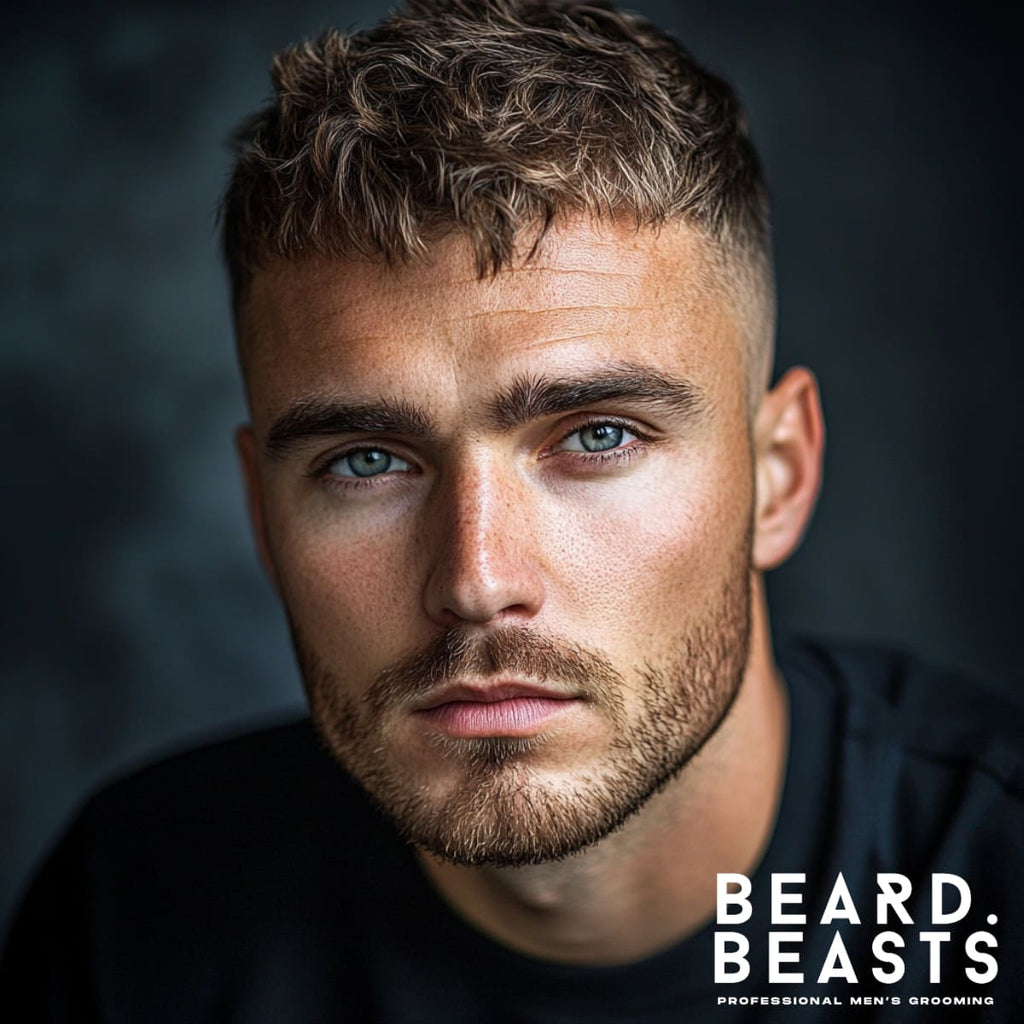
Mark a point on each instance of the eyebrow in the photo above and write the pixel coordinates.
(530, 398)
(525, 399)
(317, 417)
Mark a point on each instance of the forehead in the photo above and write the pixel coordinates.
(593, 294)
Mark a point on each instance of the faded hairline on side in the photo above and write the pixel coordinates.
(494, 118)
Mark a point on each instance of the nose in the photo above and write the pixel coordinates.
(483, 541)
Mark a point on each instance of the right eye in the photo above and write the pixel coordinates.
(367, 462)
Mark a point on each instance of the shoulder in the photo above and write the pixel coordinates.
(263, 798)
(225, 833)
(926, 765)
(232, 866)
(890, 698)
(224, 771)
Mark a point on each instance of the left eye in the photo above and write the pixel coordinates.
(597, 437)
(367, 462)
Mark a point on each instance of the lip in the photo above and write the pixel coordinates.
(500, 708)
(491, 693)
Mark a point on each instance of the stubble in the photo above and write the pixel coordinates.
(504, 812)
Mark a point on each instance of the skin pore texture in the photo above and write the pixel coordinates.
(518, 525)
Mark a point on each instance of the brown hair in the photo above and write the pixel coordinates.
(491, 117)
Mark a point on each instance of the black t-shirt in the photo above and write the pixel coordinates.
(250, 881)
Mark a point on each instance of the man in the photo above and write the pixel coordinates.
(502, 286)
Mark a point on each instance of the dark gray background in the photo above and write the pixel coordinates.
(136, 620)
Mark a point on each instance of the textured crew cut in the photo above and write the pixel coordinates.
(492, 117)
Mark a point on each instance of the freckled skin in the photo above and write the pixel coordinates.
(491, 527)
(589, 560)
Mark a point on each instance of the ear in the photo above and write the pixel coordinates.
(789, 441)
(245, 445)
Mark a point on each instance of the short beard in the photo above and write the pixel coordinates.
(502, 814)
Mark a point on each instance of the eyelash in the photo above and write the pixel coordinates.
(323, 473)
(624, 454)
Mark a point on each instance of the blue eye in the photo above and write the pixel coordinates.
(597, 437)
(367, 462)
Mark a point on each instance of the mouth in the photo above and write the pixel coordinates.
(495, 709)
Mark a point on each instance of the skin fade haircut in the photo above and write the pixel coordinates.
(493, 118)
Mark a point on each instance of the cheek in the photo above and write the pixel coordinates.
(349, 593)
(641, 559)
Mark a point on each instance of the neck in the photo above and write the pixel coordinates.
(651, 883)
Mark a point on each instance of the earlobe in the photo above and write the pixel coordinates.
(789, 440)
(245, 446)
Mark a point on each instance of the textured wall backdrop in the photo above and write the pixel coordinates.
(135, 617)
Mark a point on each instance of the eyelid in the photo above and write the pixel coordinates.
(580, 421)
(627, 437)
(321, 467)
(597, 420)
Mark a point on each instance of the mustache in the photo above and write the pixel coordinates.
(457, 652)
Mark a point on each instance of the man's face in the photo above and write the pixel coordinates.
(510, 523)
